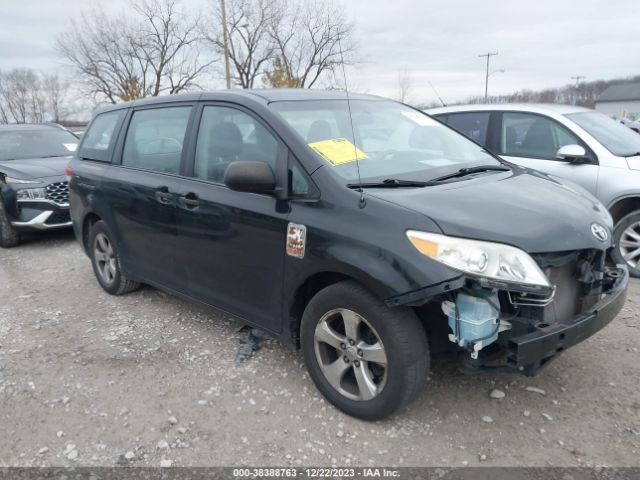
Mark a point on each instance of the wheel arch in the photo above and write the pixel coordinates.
(88, 221)
(317, 281)
(622, 207)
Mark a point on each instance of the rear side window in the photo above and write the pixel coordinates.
(98, 141)
(226, 135)
(472, 125)
(155, 139)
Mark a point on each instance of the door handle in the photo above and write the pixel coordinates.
(86, 186)
(190, 201)
(163, 196)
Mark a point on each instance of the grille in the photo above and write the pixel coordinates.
(58, 193)
(58, 218)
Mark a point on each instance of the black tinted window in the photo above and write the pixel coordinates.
(99, 139)
(533, 136)
(227, 135)
(299, 184)
(155, 139)
(473, 125)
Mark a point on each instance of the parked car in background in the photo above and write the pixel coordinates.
(578, 144)
(621, 120)
(34, 190)
(370, 254)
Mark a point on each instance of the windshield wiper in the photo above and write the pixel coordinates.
(471, 170)
(398, 183)
(393, 183)
(632, 155)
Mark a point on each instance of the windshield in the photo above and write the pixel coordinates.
(392, 140)
(50, 142)
(618, 139)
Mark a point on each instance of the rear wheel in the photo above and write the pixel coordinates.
(626, 236)
(106, 262)
(367, 359)
(9, 236)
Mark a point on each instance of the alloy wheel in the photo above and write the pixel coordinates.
(350, 354)
(630, 245)
(105, 258)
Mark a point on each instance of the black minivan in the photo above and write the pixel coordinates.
(365, 232)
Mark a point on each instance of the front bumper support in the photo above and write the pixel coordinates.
(529, 352)
(39, 222)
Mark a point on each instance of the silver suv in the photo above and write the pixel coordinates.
(574, 143)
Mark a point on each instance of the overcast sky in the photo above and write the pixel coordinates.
(541, 43)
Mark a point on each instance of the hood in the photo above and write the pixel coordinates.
(34, 168)
(523, 208)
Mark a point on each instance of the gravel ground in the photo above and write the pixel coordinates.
(144, 379)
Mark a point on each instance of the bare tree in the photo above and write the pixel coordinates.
(21, 96)
(405, 84)
(157, 51)
(588, 93)
(4, 114)
(170, 43)
(251, 45)
(100, 51)
(278, 76)
(55, 90)
(312, 38)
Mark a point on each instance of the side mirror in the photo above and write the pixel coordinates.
(573, 154)
(252, 177)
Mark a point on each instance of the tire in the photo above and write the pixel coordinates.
(397, 331)
(9, 236)
(106, 262)
(625, 243)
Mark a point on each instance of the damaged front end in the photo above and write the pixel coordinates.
(512, 327)
(587, 295)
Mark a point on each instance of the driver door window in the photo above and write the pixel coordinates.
(227, 135)
(533, 136)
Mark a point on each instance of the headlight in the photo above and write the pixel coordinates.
(31, 194)
(494, 261)
(17, 180)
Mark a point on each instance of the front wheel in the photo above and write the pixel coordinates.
(626, 236)
(9, 236)
(367, 359)
(106, 262)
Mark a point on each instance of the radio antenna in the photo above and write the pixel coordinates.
(437, 94)
(362, 201)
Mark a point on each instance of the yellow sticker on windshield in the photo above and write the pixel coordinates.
(338, 151)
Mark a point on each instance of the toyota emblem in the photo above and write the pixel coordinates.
(599, 232)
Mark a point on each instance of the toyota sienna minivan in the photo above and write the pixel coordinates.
(363, 231)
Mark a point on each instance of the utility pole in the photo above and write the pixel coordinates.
(486, 81)
(225, 36)
(577, 78)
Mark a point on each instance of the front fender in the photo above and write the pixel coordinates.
(395, 280)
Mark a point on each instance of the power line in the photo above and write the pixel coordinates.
(486, 80)
(577, 78)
